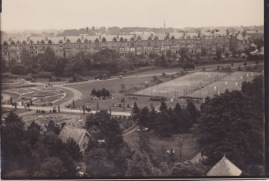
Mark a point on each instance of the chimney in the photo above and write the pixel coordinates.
(64, 38)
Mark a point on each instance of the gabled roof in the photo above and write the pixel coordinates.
(224, 168)
(197, 158)
(71, 132)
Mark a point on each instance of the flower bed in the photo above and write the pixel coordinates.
(40, 96)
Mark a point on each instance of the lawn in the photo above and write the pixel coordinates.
(115, 88)
(230, 82)
(161, 145)
(182, 85)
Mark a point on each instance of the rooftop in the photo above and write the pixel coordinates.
(71, 132)
(224, 168)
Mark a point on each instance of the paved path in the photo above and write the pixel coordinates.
(76, 94)
(64, 110)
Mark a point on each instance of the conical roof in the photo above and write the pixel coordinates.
(224, 168)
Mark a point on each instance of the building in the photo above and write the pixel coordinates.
(80, 136)
(224, 168)
(141, 43)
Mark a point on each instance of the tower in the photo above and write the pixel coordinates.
(164, 25)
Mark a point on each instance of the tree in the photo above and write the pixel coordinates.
(228, 125)
(47, 60)
(143, 117)
(59, 66)
(218, 54)
(141, 166)
(52, 168)
(12, 118)
(162, 61)
(94, 92)
(152, 55)
(184, 54)
(177, 108)
(152, 117)
(193, 112)
(163, 106)
(135, 112)
(26, 59)
(73, 149)
(188, 170)
(33, 133)
(112, 133)
(162, 126)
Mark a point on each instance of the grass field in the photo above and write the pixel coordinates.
(183, 85)
(114, 87)
(230, 82)
(161, 145)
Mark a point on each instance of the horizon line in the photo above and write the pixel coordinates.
(209, 26)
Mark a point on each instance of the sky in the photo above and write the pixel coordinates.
(68, 14)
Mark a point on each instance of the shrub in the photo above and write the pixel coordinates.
(45, 75)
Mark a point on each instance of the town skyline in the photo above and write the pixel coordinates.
(29, 15)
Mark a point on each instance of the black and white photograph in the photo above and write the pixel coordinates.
(133, 89)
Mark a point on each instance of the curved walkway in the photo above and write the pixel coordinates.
(76, 94)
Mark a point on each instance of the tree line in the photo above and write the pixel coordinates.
(104, 61)
(168, 120)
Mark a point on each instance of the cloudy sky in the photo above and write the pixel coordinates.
(61, 14)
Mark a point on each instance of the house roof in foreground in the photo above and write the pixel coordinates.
(224, 168)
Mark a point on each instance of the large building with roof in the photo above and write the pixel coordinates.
(136, 43)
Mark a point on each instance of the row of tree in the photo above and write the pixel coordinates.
(105, 60)
(168, 120)
(100, 93)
